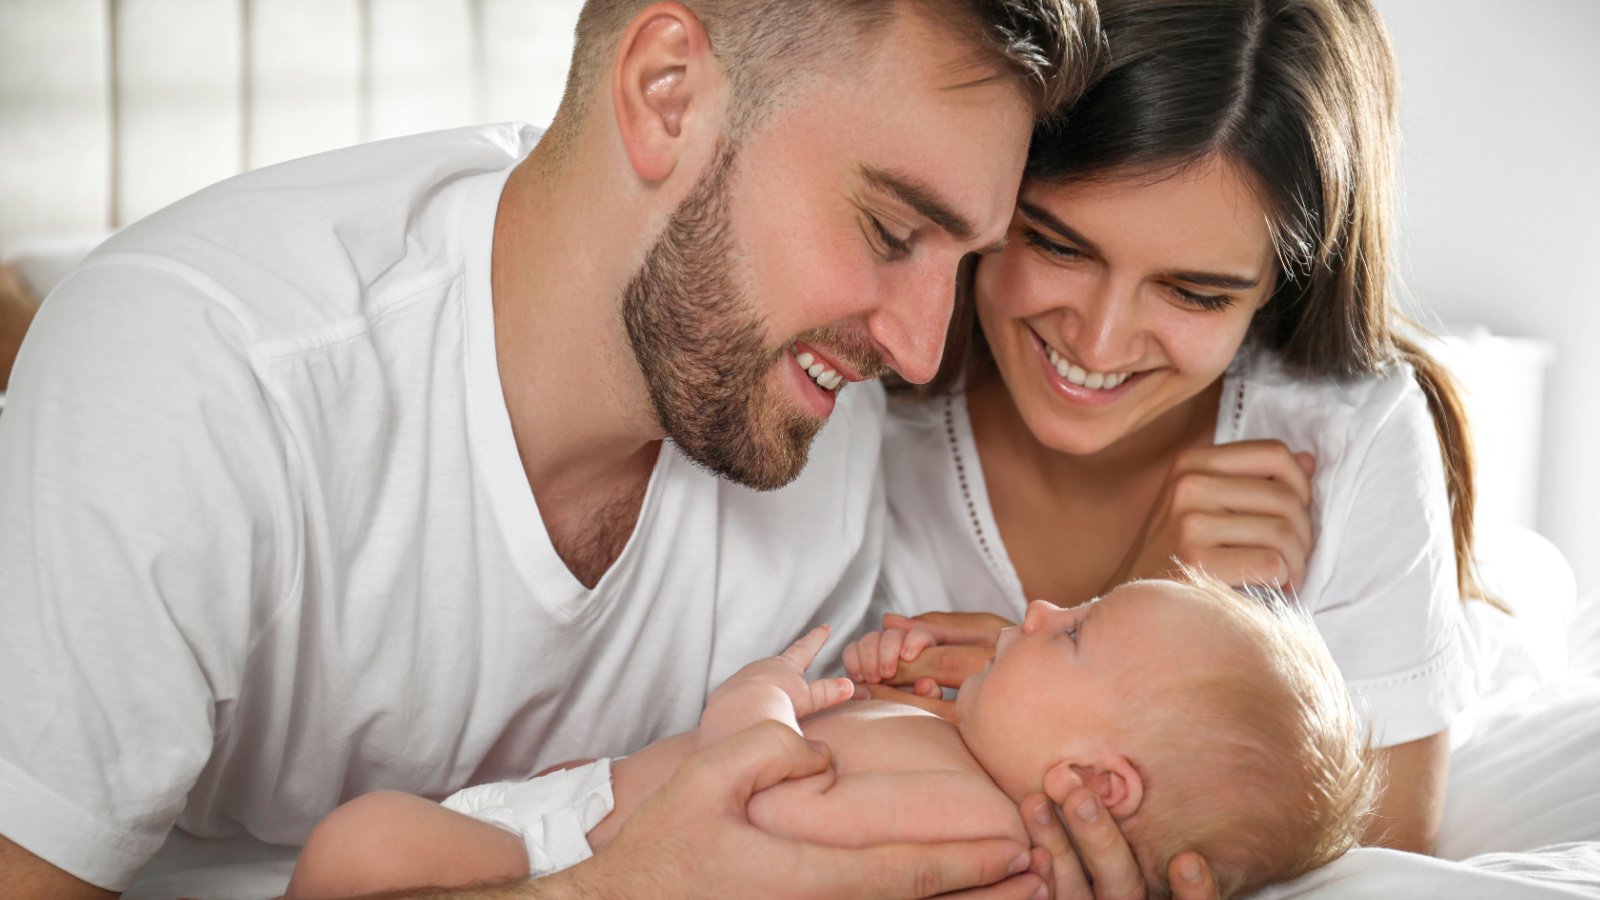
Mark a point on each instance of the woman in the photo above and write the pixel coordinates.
(1190, 348)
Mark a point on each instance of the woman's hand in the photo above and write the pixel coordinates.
(1241, 512)
(913, 658)
(1083, 855)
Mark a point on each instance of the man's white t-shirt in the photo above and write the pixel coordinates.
(1381, 580)
(266, 543)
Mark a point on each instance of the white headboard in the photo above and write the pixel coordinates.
(110, 109)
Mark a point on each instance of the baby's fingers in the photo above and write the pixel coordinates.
(917, 640)
(889, 652)
(803, 651)
(826, 693)
(865, 650)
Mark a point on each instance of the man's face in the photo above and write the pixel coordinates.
(823, 250)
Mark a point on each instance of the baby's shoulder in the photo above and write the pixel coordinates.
(879, 736)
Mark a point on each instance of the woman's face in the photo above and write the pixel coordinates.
(1118, 301)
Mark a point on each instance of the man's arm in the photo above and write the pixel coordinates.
(23, 874)
(693, 839)
(17, 308)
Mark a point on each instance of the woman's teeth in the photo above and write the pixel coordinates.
(826, 378)
(1097, 381)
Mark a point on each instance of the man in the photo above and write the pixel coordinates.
(349, 473)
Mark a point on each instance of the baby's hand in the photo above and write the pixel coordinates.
(876, 656)
(773, 688)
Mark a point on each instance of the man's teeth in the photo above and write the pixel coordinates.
(826, 378)
(1098, 381)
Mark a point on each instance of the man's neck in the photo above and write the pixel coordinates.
(577, 402)
(579, 408)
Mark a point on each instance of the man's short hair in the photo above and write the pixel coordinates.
(1051, 48)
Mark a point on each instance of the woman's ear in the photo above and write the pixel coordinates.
(663, 82)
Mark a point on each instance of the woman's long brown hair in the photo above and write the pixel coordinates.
(1302, 94)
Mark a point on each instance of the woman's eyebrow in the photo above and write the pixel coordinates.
(1040, 216)
(1216, 280)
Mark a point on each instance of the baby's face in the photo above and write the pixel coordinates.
(1060, 682)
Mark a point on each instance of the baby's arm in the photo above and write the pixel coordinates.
(773, 688)
(386, 841)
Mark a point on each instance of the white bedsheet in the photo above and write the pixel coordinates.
(1522, 809)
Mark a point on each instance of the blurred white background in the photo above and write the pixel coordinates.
(110, 109)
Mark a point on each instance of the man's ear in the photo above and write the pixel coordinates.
(664, 83)
(1110, 775)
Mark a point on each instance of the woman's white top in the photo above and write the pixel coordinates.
(1381, 579)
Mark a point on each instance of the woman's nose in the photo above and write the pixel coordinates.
(1100, 326)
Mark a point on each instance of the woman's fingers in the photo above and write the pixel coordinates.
(1061, 871)
(1206, 492)
(1241, 549)
(949, 666)
(1256, 459)
(951, 628)
(1102, 848)
(1191, 878)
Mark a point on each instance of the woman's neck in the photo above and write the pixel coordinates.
(1068, 521)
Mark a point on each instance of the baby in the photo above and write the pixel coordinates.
(1204, 719)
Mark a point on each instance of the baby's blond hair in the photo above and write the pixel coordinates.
(1261, 764)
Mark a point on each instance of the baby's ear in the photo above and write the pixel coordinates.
(1110, 775)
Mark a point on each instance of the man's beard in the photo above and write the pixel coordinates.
(702, 347)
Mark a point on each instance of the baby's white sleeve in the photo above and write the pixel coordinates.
(552, 813)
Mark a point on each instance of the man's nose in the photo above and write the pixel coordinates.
(910, 326)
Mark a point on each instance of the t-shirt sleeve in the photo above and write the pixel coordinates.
(140, 474)
(1386, 599)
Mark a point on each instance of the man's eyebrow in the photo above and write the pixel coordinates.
(1217, 280)
(927, 202)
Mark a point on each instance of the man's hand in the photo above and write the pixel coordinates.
(692, 839)
(772, 689)
(17, 308)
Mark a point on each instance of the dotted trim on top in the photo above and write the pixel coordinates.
(966, 487)
(1238, 406)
